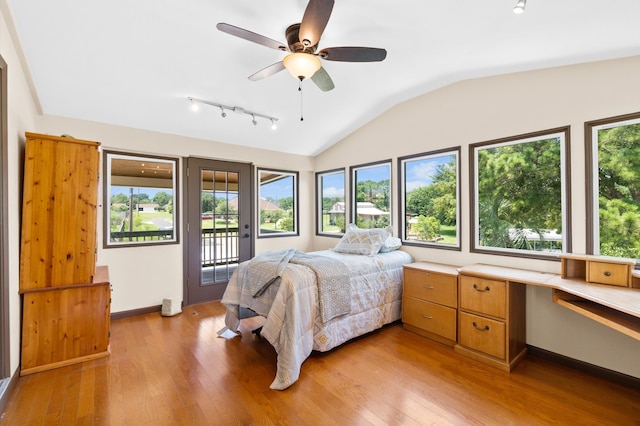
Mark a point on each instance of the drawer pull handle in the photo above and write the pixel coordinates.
(427, 316)
(607, 273)
(427, 286)
(475, 286)
(427, 274)
(485, 328)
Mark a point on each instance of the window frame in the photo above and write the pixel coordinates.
(319, 197)
(565, 195)
(108, 155)
(591, 174)
(353, 170)
(402, 200)
(295, 195)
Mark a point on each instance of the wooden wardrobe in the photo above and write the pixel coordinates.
(66, 298)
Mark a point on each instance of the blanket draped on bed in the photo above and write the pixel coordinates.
(291, 306)
(334, 296)
(334, 291)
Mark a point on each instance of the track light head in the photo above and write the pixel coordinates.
(222, 113)
(274, 126)
(519, 7)
(255, 123)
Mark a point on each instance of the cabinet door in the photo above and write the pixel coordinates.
(59, 212)
(63, 326)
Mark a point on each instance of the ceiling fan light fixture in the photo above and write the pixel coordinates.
(302, 65)
(519, 7)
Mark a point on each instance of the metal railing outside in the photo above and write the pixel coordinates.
(220, 246)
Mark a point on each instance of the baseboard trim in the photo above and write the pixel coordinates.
(6, 388)
(604, 373)
(134, 312)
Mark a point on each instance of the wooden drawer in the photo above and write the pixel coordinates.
(431, 317)
(431, 286)
(482, 334)
(607, 270)
(483, 296)
(608, 273)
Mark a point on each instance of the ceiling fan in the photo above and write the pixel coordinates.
(302, 43)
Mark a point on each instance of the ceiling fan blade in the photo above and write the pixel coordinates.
(322, 80)
(353, 54)
(314, 21)
(251, 36)
(267, 71)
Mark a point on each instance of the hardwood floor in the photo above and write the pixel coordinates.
(175, 370)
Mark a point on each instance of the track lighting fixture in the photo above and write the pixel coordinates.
(237, 110)
(519, 7)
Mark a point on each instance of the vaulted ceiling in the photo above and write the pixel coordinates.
(134, 63)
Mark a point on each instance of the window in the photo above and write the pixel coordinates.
(520, 189)
(430, 199)
(278, 203)
(330, 207)
(613, 175)
(142, 200)
(371, 195)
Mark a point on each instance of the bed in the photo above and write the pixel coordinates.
(318, 300)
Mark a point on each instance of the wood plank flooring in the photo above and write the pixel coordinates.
(176, 371)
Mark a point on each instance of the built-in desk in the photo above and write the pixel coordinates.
(614, 306)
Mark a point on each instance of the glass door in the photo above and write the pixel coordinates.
(218, 226)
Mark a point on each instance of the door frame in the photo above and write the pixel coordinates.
(5, 354)
(190, 204)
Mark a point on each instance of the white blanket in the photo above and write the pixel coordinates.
(290, 306)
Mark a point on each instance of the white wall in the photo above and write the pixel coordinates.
(144, 276)
(495, 107)
(21, 117)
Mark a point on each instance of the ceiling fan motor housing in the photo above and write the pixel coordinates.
(293, 40)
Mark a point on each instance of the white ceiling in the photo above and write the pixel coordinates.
(134, 63)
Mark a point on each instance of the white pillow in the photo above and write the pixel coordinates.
(390, 244)
(362, 241)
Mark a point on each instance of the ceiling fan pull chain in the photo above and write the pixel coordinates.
(300, 90)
